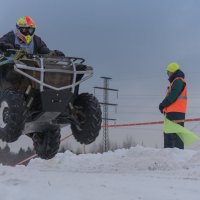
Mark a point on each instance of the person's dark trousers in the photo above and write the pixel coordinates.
(172, 140)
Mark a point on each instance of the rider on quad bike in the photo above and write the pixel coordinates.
(24, 37)
(39, 92)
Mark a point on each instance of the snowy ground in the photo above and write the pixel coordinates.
(136, 174)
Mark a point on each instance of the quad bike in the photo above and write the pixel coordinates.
(39, 94)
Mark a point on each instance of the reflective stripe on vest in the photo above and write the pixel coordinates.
(182, 97)
(180, 105)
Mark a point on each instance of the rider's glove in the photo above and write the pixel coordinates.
(57, 53)
(6, 46)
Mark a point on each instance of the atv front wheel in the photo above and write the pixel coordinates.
(47, 143)
(12, 115)
(88, 113)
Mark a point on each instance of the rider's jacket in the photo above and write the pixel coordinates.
(37, 46)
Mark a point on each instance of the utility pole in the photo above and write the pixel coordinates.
(105, 105)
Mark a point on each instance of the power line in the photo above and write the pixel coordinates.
(105, 105)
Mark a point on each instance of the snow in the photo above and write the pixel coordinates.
(138, 173)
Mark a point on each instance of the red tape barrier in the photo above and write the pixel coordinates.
(118, 125)
(150, 123)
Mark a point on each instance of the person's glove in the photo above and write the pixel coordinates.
(6, 46)
(164, 104)
(57, 53)
(161, 107)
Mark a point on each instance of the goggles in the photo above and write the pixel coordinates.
(26, 30)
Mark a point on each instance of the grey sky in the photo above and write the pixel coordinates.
(131, 41)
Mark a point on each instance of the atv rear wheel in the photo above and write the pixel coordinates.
(47, 143)
(88, 114)
(12, 115)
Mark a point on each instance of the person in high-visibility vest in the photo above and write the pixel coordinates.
(174, 105)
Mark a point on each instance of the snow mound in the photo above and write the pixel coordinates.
(123, 161)
(138, 173)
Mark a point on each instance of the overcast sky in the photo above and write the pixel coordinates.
(131, 41)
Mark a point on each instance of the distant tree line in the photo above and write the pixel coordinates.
(10, 158)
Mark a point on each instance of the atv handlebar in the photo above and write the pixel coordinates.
(22, 52)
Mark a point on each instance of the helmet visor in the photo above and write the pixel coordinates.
(26, 30)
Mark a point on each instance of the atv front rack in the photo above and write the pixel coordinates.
(71, 66)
